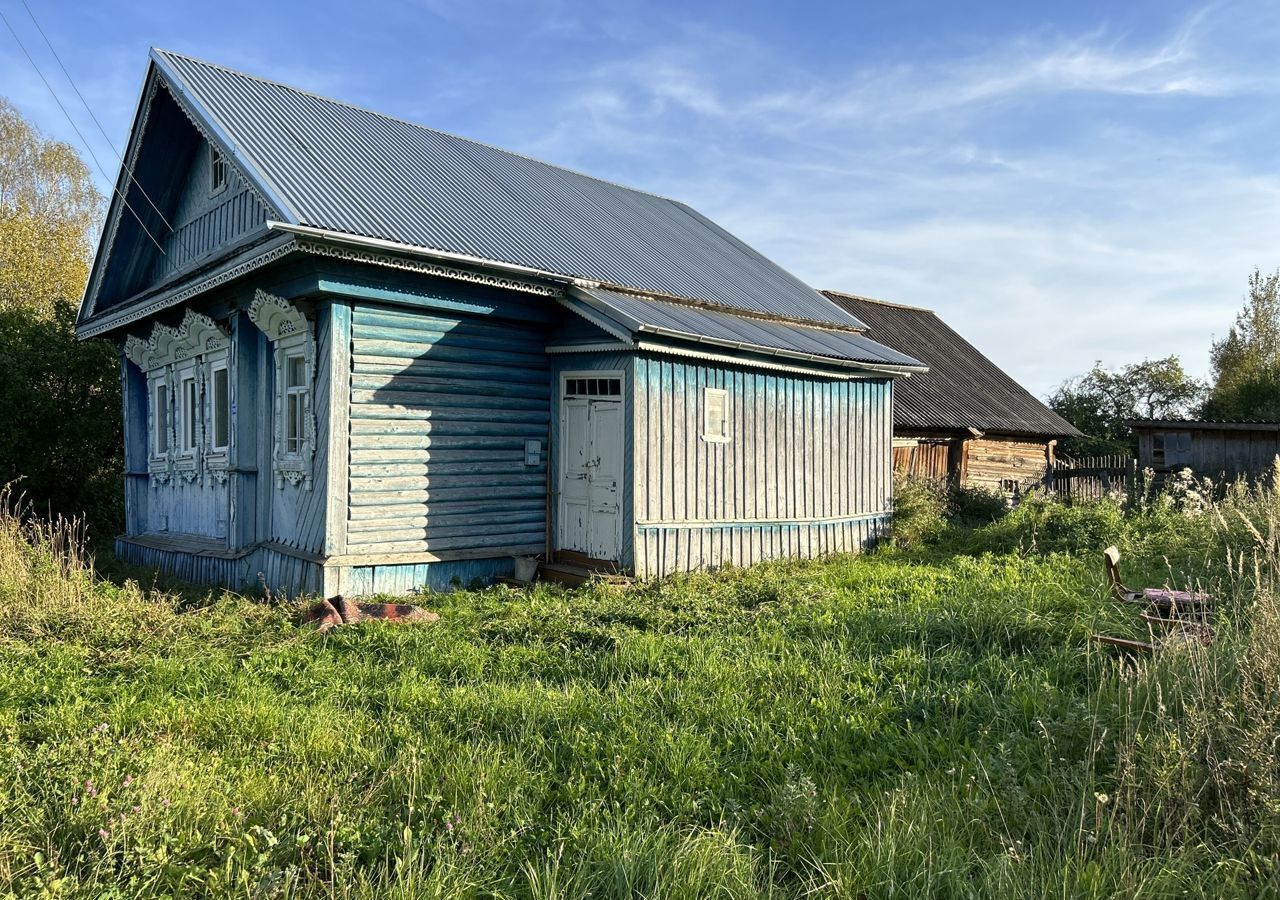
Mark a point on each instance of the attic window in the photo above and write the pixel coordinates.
(217, 172)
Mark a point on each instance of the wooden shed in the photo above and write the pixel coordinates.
(966, 419)
(359, 355)
(1223, 451)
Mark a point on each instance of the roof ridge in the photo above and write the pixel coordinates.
(876, 301)
(404, 121)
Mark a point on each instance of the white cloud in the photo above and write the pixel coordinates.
(1059, 200)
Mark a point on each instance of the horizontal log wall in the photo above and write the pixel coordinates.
(441, 407)
(994, 463)
(806, 472)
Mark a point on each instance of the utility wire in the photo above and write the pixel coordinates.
(76, 128)
(119, 154)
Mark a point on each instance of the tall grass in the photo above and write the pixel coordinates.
(918, 722)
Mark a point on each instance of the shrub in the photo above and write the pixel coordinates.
(60, 402)
(919, 509)
(974, 505)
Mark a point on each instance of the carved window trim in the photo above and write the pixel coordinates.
(168, 357)
(292, 334)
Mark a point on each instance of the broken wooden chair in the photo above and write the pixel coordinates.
(1171, 604)
(1181, 616)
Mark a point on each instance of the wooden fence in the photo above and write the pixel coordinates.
(1093, 477)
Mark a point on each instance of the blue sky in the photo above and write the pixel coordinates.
(1063, 182)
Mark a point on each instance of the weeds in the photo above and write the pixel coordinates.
(923, 721)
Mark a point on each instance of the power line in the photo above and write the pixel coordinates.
(119, 154)
(76, 128)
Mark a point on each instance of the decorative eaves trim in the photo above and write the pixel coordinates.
(426, 267)
(111, 321)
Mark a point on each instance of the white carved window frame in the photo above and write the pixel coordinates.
(291, 335)
(715, 416)
(169, 357)
(218, 453)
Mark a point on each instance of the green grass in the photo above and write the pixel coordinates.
(903, 724)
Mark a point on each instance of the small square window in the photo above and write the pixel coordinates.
(715, 415)
(217, 172)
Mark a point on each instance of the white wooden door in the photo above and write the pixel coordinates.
(591, 446)
(575, 481)
(605, 522)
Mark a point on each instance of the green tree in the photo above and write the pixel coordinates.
(49, 210)
(59, 399)
(1246, 363)
(1101, 401)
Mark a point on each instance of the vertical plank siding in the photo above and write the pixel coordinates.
(806, 472)
(283, 574)
(205, 222)
(440, 410)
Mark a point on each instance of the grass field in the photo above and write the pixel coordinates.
(906, 724)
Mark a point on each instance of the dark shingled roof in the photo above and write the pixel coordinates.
(962, 389)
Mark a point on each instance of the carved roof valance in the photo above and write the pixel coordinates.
(196, 335)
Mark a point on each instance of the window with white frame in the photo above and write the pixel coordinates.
(217, 172)
(297, 391)
(160, 418)
(188, 412)
(287, 327)
(220, 406)
(715, 415)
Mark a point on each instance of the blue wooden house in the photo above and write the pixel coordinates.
(360, 355)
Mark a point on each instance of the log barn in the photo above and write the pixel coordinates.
(965, 419)
(359, 355)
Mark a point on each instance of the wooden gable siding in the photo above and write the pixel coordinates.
(440, 408)
(204, 222)
(807, 470)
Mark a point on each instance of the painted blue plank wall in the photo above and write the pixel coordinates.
(204, 221)
(807, 471)
(441, 405)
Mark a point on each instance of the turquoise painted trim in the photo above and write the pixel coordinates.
(403, 297)
(764, 523)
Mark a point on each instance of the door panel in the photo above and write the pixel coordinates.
(575, 483)
(606, 478)
(591, 438)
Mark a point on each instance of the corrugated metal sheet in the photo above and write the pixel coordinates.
(962, 389)
(806, 470)
(342, 168)
(640, 314)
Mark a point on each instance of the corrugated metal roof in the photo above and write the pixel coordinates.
(640, 315)
(962, 389)
(338, 167)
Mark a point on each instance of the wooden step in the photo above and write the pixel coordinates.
(574, 575)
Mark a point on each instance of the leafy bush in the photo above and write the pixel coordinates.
(975, 505)
(919, 509)
(62, 443)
